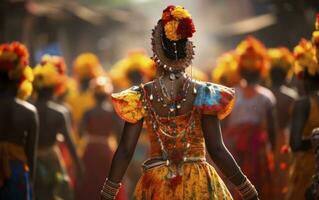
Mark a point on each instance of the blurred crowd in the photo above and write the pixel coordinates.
(58, 132)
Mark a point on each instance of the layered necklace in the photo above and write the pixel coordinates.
(160, 93)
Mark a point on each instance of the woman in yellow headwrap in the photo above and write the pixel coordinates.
(85, 67)
(18, 124)
(52, 180)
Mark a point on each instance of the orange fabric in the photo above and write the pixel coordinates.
(128, 105)
(199, 179)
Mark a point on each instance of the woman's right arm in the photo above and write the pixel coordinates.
(125, 150)
(223, 159)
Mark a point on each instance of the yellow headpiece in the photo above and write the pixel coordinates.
(252, 56)
(46, 76)
(305, 61)
(137, 61)
(281, 57)
(226, 70)
(14, 60)
(87, 65)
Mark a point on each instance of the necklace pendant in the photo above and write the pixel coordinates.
(172, 76)
(178, 106)
(164, 105)
(151, 97)
(158, 100)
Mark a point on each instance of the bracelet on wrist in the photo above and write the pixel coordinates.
(110, 189)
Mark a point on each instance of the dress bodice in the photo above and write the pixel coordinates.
(188, 140)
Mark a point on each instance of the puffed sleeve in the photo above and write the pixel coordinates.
(128, 104)
(214, 99)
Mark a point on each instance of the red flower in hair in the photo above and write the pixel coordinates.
(17, 49)
(186, 28)
(166, 16)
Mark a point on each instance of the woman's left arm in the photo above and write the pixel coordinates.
(222, 157)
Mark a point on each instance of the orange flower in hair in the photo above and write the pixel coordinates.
(252, 56)
(14, 60)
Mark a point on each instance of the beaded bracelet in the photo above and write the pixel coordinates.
(246, 189)
(110, 189)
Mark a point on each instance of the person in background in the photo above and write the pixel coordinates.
(86, 67)
(63, 90)
(52, 180)
(99, 125)
(305, 118)
(251, 128)
(281, 62)
(18, 124)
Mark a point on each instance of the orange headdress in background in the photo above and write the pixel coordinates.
(226, 70)
(87, 66)
(59, 63)
(305, 61)
(14, 60)
(315, 34)
(137, 61)
(252, 56)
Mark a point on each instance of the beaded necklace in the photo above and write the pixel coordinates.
(177, 156)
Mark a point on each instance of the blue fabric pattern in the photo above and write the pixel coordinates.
(208, 95)
(18, 187)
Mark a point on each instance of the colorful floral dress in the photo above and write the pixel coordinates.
(183, 174)
(14, 172)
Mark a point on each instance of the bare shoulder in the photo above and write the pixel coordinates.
(58, 109)
(289, 92)
(26, 107)
(266, 94)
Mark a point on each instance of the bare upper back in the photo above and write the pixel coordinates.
(52, 121)
(154, 89)
(16, 120)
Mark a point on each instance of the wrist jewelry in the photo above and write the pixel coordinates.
(110, 189)
(247, 190)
